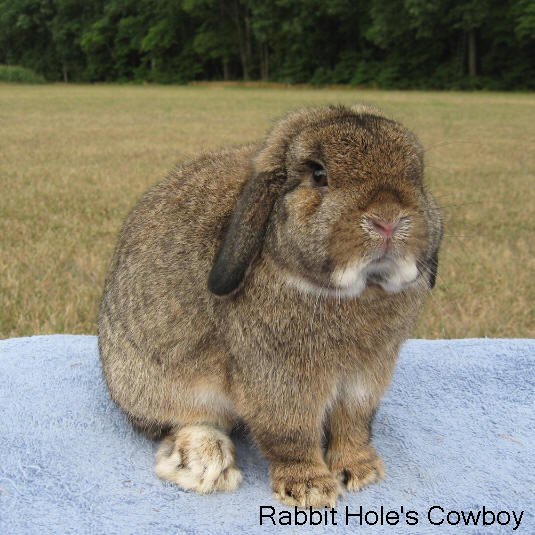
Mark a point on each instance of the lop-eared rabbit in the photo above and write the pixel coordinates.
(273, 285)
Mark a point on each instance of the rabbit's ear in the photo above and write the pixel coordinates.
(432, 265)
(245, 233)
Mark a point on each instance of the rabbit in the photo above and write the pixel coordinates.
(272, 285)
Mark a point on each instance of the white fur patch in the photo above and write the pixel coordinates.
(403, 273)
(212, 398)
(352, 278)
(392, 274)
(199, 458)
(355, 391)
(310, 288)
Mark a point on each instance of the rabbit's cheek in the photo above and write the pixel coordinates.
(398, 276)
(351, 277)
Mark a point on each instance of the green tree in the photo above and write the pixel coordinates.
(216, 33)
(385, 43)
(25, 37)
(70, 19)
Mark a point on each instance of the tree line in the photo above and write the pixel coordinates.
(444, 44)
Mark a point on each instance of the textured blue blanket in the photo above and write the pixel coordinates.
(456, 431)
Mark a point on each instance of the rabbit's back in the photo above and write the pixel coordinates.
(156, 311)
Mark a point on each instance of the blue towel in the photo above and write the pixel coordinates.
(456, 431)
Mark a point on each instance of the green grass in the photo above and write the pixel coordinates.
(19, 75)
(74, 160)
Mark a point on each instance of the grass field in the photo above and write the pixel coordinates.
(74, 159)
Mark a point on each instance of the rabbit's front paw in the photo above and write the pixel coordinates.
(356, 467)
(304, 485)
(199, 458)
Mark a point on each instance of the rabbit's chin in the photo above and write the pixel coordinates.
(392, 274)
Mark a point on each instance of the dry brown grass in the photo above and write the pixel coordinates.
(73, 160)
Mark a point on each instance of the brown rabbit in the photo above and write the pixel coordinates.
(273, 285)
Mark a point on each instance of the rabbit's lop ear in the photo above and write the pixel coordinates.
(245, 233)
(247, 227)
(432, 265)
(435, 238)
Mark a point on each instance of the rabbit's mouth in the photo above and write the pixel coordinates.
(376, 278)
(391, 274)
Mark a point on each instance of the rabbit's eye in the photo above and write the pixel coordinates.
(319, 177)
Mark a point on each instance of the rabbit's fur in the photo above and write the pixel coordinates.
(241, 290)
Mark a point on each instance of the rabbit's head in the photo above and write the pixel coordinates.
(338, 202)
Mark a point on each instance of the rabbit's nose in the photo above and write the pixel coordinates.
(384, 228)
